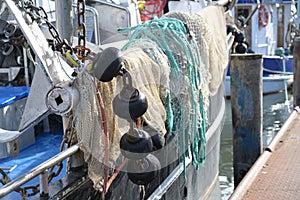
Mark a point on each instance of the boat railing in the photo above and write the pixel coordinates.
(39, 170)
(95, 25)
(115, 6)
(128, 21)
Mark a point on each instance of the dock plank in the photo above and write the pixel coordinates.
(279, 176)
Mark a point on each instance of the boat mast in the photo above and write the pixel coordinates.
(64, 16)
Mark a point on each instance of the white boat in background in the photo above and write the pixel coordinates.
(267, 28)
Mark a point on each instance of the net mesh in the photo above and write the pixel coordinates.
(177, 62)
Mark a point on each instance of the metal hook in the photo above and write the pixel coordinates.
(9, 30)
(8, 48)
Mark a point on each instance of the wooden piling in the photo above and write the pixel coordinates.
(246, 106)
(296, 83)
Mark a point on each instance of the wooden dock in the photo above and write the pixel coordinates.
(276, 173)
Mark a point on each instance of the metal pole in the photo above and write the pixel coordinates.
(64, 19)
(296, 84)
(44, 187)
(284, 59)
(26, 66)
(246, 106)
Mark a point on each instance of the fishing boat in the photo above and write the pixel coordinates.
(137, 113)
(266, 29)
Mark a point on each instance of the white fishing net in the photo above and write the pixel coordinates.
(151, 79)
(177, 73)
(88, 126)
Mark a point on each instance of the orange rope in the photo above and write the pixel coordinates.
(115, 174)
(109, 181)
(106, 137)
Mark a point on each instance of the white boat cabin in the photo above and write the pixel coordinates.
(268, 27)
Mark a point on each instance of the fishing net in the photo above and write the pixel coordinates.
(206, 26)
(196, 49)
(150, 75)
(88, 126)
(177, 62)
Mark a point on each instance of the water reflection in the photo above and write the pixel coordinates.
(275, 111)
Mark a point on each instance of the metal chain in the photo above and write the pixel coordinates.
(23, 191)
(6, 47)
(5, 178)
(66, 142)
(56, 169)
(81, 22)
(54, 172)
(38, 14)
(81, 49)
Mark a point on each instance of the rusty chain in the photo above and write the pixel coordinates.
(56, 169)
(81, 22)
(81, 50)
(38, 14)
(5, 178)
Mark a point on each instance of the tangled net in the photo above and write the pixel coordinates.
(177, 62)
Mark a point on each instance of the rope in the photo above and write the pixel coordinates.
(278, 72)
(106, 140)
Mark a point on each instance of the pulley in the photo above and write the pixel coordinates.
(143, 171)
(107, 64)
(136, 144)
(130, 103)
(62, 98)
(7, 49)
(10, 30)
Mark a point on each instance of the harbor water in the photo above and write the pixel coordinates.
(276, 109)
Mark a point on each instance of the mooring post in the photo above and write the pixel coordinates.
(296, 83)
(246, 106)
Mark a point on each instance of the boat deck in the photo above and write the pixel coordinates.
(276, 174)
(47, 145)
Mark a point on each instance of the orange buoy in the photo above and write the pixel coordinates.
(263, 16)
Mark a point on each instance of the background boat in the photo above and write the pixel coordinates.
(169, 183)
(265, 28)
